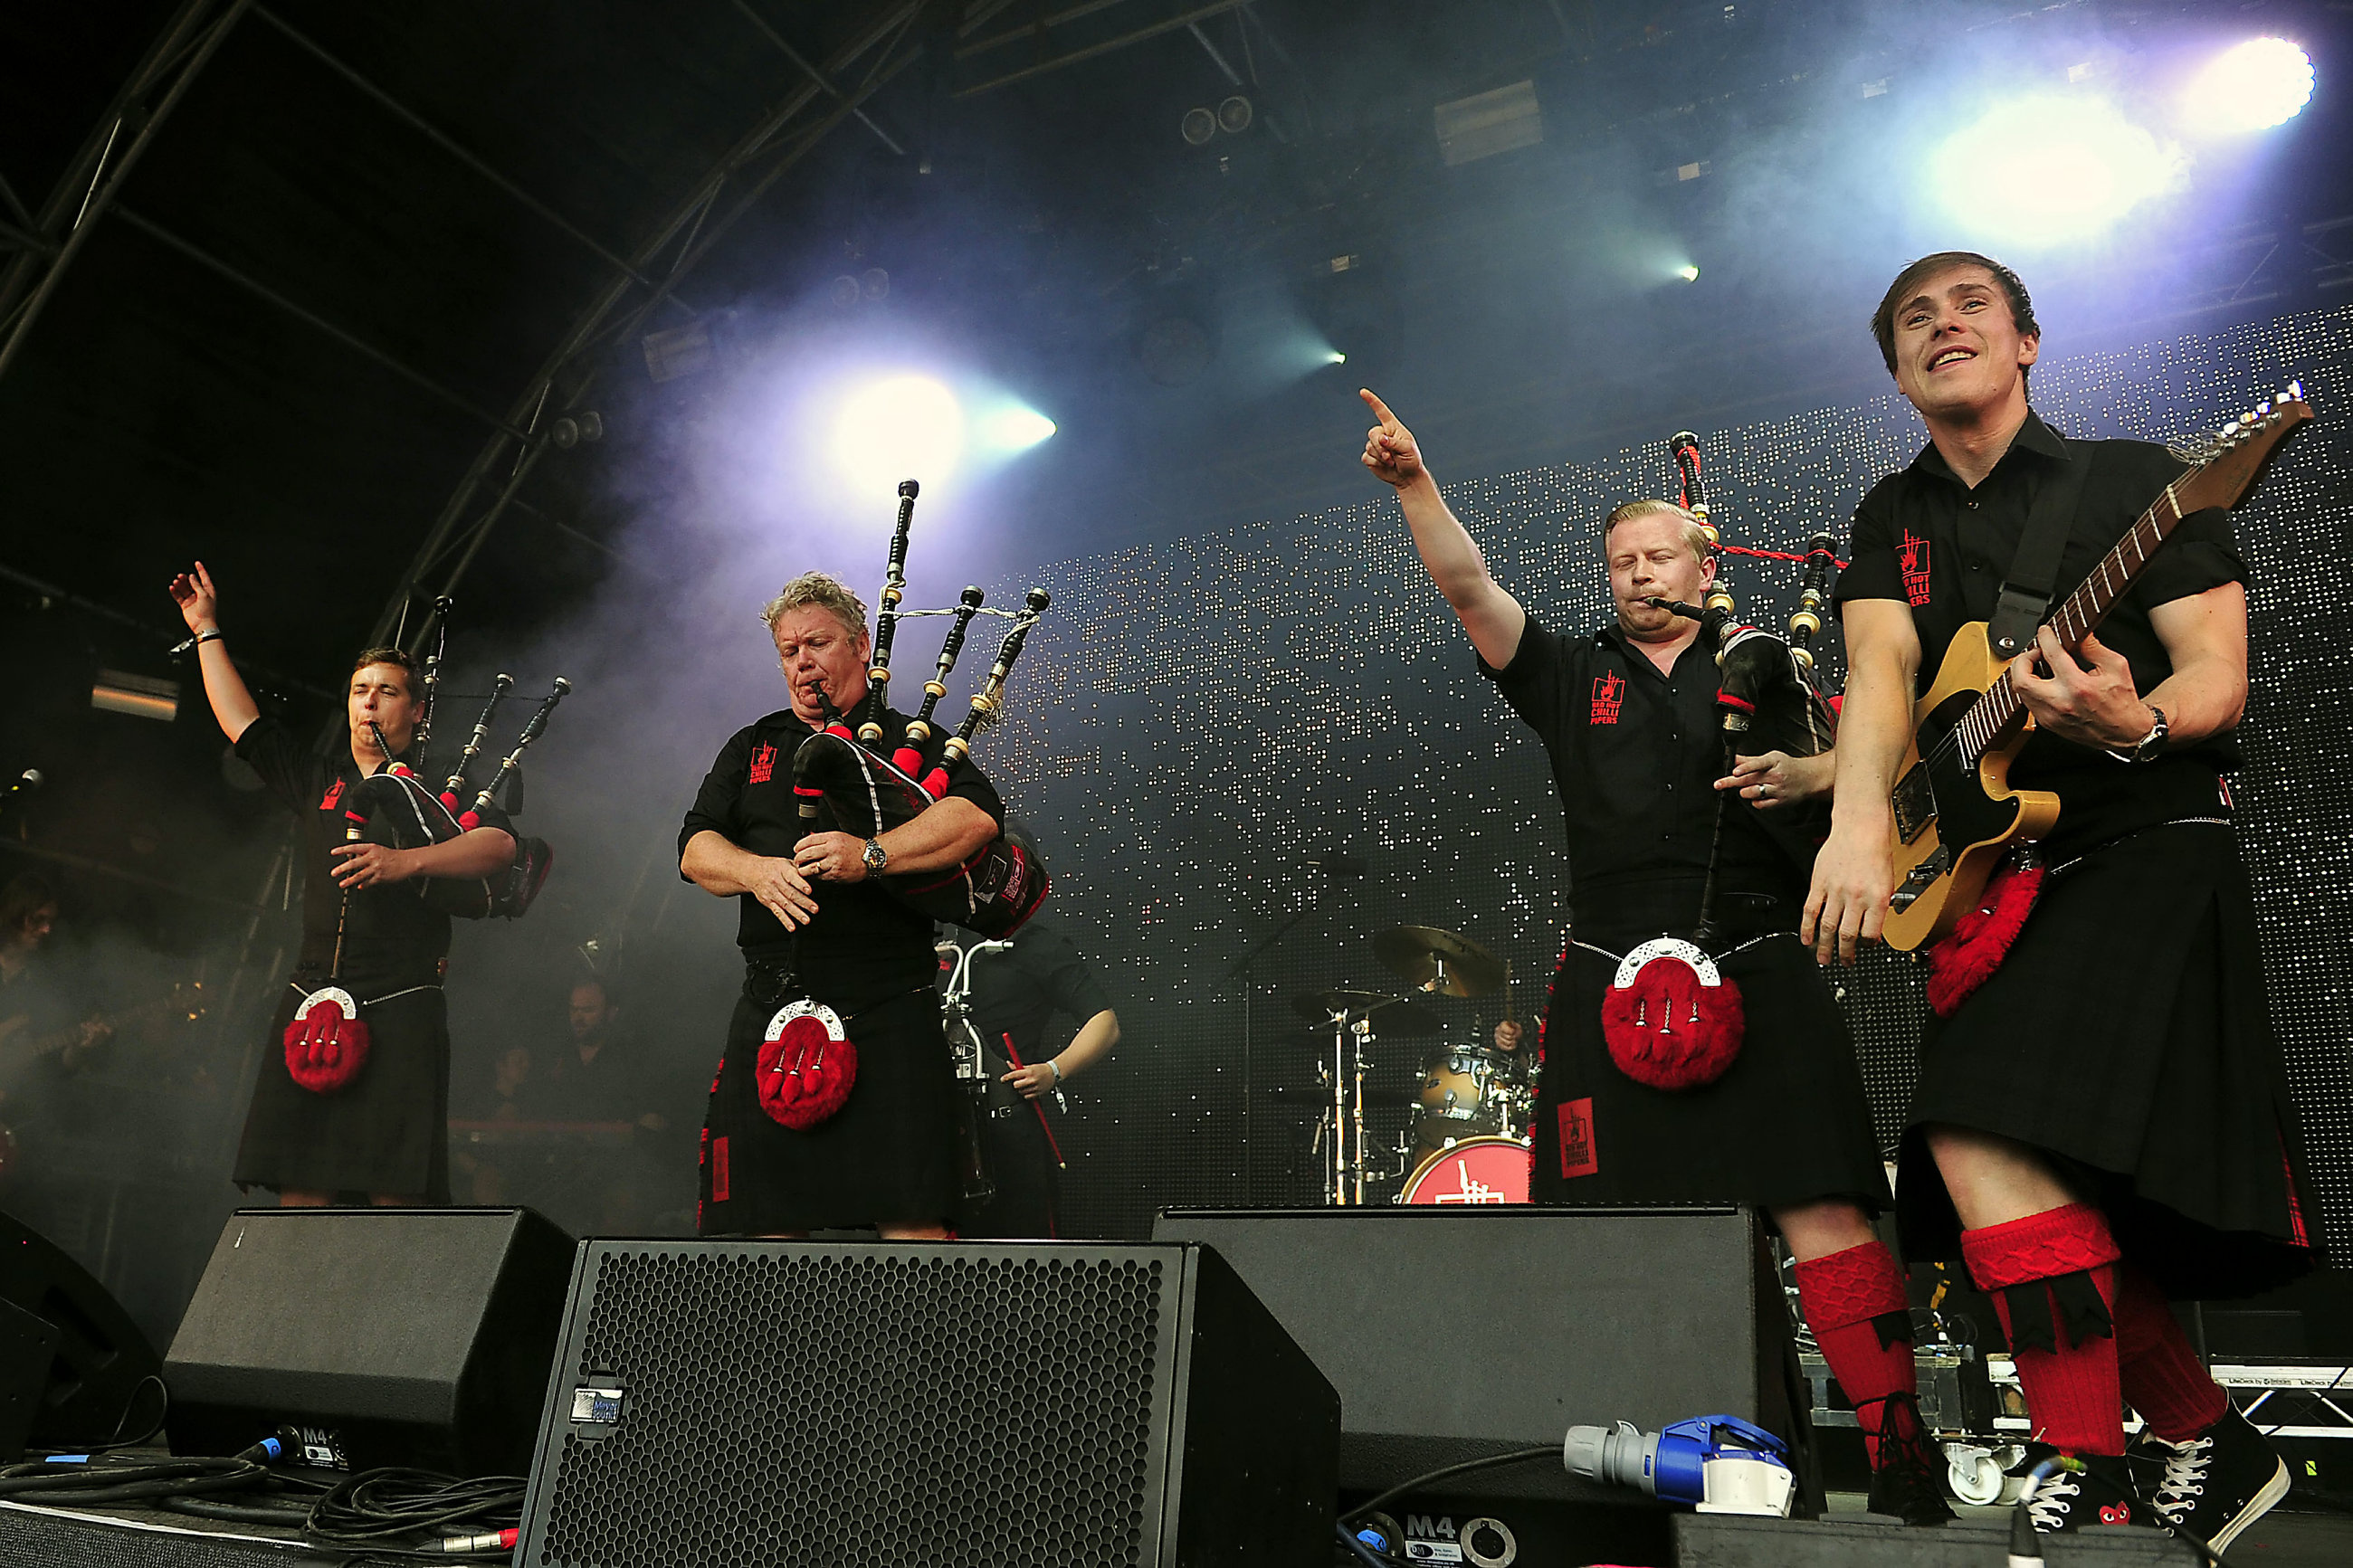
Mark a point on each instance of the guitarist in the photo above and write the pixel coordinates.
(2104, 1121)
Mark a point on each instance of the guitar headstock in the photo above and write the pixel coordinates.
(2226, 465)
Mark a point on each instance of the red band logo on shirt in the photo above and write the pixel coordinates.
(1914, 557)
(764, 764)
(1609, 695)
(335, 793)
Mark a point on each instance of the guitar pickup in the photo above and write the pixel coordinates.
(1915, 801)
(1920, 879)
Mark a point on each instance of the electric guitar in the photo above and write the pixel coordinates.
(1956, 815)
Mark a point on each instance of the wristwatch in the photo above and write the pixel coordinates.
(2152, 745)
(877, 857)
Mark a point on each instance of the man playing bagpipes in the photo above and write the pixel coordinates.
(2102, 1117)
(353, 1093)
(826, 946)
(1770, 1109)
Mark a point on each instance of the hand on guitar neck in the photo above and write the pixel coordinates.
(2086, 696)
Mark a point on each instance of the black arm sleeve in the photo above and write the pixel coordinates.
(713, 810)
(269, 748)
(1531, 682)
(1874, 568)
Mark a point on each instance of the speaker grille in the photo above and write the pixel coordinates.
(878, 1405)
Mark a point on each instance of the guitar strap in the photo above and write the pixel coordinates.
(2035, 570)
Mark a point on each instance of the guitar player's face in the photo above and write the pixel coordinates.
(1959, 353)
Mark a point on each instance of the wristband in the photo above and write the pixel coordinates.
(210, 634)
(1058, 1070)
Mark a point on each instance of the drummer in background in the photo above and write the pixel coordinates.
(1627, 713)
(1014, 995)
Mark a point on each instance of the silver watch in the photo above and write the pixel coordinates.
(876, 857)
(2152, 745)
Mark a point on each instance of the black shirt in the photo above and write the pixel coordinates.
(1635, 755)
(1923, 537)
(862, 945)
(1018, 992)
(391, 928)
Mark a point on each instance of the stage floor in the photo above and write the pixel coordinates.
(40, 1537)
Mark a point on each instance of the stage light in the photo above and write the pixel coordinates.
(2253, 86)
(1687, 272)
(902, 427)
(1336, 357)
(1015, 429)
(2048, 169)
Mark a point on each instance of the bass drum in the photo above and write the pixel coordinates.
(1473, 1171)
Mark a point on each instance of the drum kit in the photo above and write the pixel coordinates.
(1473, 1102)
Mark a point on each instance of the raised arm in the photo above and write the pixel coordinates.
(233, 705)
(1855, 871)
(1492, 617)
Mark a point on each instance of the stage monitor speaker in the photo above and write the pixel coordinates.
(1456, 1333)
(379, 1336)
(99, 1357)
(1010, 1405)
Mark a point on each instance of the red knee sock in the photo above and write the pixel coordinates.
(2161, 1375)
(2052, 1279)
(1855, 1304)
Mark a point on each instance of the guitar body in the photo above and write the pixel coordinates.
(1954, 822)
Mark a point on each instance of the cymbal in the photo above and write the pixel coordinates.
(1391, 1014)
(1412, 954)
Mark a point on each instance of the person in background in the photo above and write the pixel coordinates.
(1016, 997)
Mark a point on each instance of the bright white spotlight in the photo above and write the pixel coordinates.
(1015, 429)
(1687, 272)
(1336, 357)
(2047, 169)
(2252, 85)
(908, 426)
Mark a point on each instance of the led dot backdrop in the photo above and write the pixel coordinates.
(1200, 724)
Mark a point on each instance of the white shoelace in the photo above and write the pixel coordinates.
(2048, 1506)
(2187, 1465)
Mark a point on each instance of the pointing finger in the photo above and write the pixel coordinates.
(1380, 410)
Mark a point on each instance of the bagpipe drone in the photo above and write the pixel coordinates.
(1671, 1018)
(842, 773)
(327, 1042)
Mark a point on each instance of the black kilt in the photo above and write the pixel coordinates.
(1785, 1124)
(386, 1131)
(887, 1156)
(2126, 1036)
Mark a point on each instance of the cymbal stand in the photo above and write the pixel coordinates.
(1364, 1037)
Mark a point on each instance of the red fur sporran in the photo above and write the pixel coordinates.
(1982, 938)
(327, 1042)
(807, 1065)
(1669, 1020)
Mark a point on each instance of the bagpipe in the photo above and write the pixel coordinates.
(1769, 692)
(396, 807)
(843, 774)
(1671, 1018)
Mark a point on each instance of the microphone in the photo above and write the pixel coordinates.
(28, 782)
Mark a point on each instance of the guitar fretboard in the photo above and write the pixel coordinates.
(1992, 714)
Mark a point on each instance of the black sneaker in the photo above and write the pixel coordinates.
(2213, 1486)
(1904, 1484)
(2101, 1493)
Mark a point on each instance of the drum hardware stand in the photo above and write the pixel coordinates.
(1340, 1132)
(971, 1065)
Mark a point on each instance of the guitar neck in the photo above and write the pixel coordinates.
(2082, 611)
